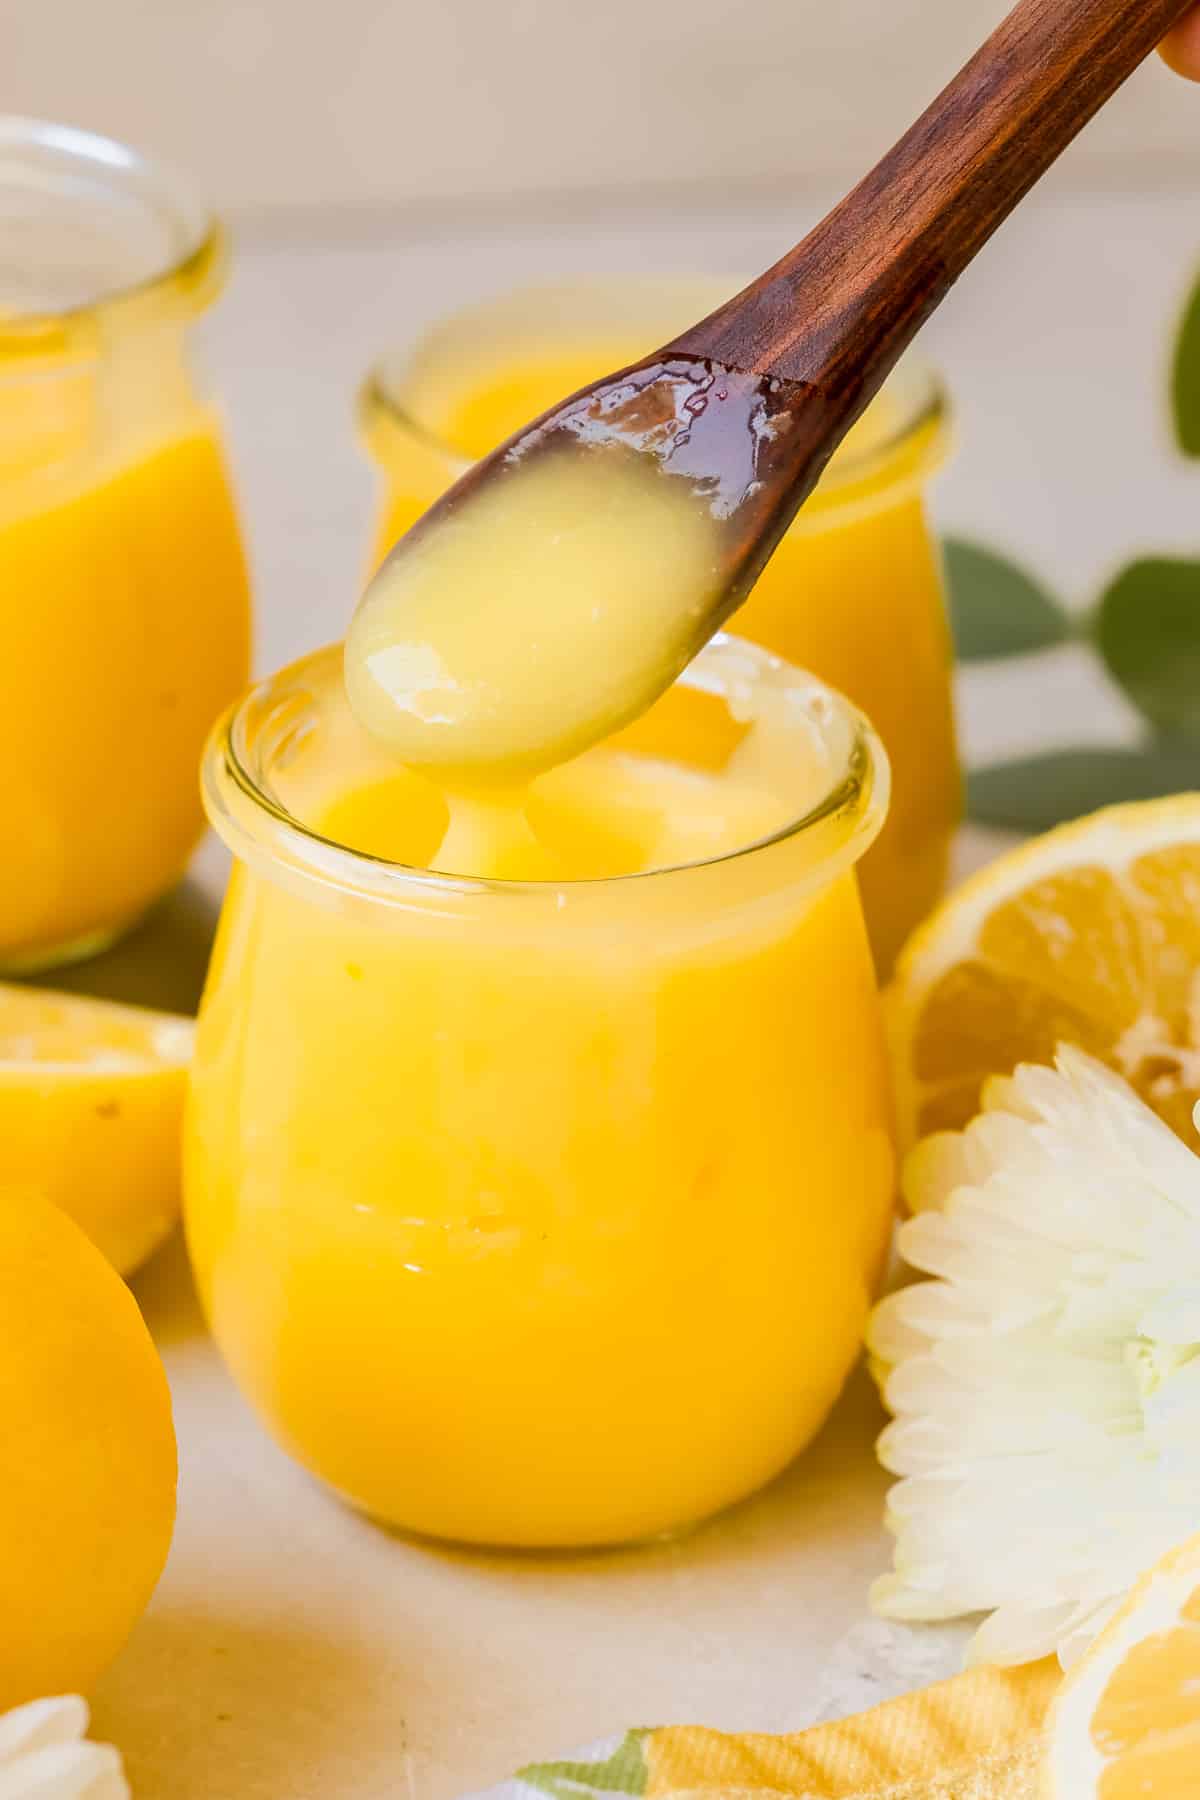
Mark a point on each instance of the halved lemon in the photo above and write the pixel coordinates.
(91, 1103)
(1090, 935)
(1126, 1723)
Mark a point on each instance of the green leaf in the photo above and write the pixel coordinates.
(1185, 377)
(1147, 624)
(624, 1772)
(1036, 792)
(996, 607)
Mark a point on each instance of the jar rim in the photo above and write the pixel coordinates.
(922, 400)
(177, 268)
(839, 826)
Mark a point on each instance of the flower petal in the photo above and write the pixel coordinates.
(1046, 1385)
(79, 1771)
(40, 1724)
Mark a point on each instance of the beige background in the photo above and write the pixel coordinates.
(349, 103)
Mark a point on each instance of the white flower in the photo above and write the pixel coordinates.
(1046, 1386)
(44, 1755)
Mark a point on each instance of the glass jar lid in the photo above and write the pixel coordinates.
(89, 227)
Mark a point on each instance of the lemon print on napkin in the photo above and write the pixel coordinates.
(976, 1737)
(1127, 1723)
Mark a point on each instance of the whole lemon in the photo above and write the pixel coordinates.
(87, 1456)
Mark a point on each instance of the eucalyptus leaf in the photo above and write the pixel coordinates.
(996, 607)
(1185, 377)
(1035, 792)
(1147, 625)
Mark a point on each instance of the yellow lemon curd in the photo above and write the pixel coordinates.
(125, 600)
(124, 611)
(538, 1167)
(854, 592)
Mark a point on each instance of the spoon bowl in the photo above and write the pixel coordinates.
(611, 538)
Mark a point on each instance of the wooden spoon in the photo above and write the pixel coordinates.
(747, 406)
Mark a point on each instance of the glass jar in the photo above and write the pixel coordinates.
(542, 1213)
(854, 592)
(124, 621)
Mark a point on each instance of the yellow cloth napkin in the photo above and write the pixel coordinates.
(976, 1737)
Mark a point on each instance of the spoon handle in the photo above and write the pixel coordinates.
(837, 311)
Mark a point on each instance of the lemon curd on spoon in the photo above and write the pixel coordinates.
(853, 592)
(553, 606)
(565, 582)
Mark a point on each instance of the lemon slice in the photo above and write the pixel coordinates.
(1090, 935)
(91, 1101)
(1126, 1723)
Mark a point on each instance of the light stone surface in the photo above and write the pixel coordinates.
(295, 1651)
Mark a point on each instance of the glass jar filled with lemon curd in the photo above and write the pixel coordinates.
(854, 592)
(545, 1212)
(124, 615)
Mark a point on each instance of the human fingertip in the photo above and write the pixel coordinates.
(1180, 49)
